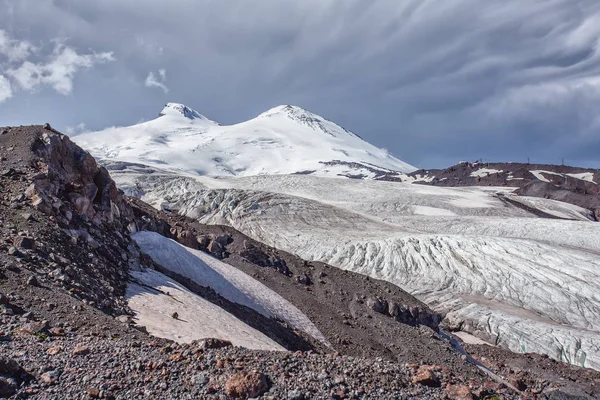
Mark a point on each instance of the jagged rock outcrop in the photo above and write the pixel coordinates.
(70, 183)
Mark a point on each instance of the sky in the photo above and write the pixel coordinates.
(433, 81)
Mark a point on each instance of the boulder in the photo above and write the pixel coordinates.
(212, 343)
(215, 249)
(304, 279)
(223, 240)
(24, 243)
(246, 385)
(426, 376)
(378, 305)
(187, 239)
(10, 375)
(203, 241)
(81, 350)
(459, 392)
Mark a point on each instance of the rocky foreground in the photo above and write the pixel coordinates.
(66, 330)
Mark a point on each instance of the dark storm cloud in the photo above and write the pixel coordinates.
(433, 81)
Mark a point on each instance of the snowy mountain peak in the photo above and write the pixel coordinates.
(178, 110)
(284, 140)
(305, 117)
(287, 110)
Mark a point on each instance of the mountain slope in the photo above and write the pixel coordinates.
(574, 185)
(283, 140)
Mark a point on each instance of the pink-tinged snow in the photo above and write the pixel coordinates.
(283, 140)
(228, 281)
(154, 298)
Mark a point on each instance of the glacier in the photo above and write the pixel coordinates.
(494, 269)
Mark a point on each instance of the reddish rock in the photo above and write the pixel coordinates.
(53, 350)
(425, 376)
(57, 331)
(459, 392)
(81, 350)
(49, 377)
(246, 385)
(93, 392)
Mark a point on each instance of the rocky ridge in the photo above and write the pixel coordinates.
(574, 185)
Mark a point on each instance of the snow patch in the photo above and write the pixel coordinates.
(228, 281)
(483, 172)
(584, 176)
(154, 298)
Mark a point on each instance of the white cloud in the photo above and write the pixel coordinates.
(152, 81)
(5, 89)
(76, 130)
(58, 72)
(14, 50)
